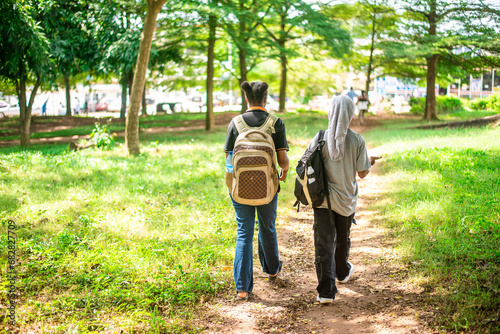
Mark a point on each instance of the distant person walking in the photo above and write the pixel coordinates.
(62, 109)
(77, 107)
(44, 108)
(352, 94)
(256, 121)
(86, 106)
(362, 105)
(344, 156)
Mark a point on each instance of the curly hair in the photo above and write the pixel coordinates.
(255, 91)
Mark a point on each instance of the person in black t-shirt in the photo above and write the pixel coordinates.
(256, 97)
(362, 105)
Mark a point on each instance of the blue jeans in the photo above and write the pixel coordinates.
(268, 242)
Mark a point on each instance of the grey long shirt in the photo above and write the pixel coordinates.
(342, 174)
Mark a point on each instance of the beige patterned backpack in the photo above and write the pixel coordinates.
(254, 180)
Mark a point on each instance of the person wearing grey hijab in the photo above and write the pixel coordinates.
(340, 114)
(344, 157)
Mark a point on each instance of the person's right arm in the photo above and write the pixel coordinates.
(363, 162)
(363, 173)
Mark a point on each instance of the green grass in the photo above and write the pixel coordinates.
(465, 114)
(131, 242)
(103, 236)
(443, 204)
(138, 242)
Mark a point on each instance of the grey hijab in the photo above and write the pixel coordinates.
(340, 115)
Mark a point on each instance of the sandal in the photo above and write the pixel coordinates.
(245, 298)
(273, 278)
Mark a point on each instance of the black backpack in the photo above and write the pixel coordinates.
(311, 184)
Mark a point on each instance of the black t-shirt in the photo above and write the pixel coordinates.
(255, 118)
(362, 98)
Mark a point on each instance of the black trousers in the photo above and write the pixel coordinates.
(332, 244)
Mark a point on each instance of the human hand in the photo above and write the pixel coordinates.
(373, 159)
(282, 174)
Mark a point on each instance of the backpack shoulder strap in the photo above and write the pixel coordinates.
(321, 142)
(240, 124)
(321, 137)
(268, 126)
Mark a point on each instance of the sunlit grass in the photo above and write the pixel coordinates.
(111, 241)
(443, 204)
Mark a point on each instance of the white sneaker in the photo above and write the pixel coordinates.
(324, 300)
(345, 280)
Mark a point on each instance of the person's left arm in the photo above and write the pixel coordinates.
(282, 148)
(284, 163)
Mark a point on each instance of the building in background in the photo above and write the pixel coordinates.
(475, 86)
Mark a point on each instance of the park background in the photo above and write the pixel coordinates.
(124, 221)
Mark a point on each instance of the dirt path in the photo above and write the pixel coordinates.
(375, 300)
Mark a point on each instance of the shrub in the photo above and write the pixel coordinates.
(491, 102)
(448, 104)
(444, 104)
(417, 105)
(494, 102)
(102, 137)
(478, 103)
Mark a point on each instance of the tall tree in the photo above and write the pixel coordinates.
(123, 20)
(240, 20)
(436, 29)
(373, 25)
(297, 20)
(212, 26)
(206, 18)
(67, 25)
(24, 59)
(132, 122)
(121, 59)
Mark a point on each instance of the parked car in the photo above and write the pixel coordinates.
(168, 107)
(4, 104)
(102, 105)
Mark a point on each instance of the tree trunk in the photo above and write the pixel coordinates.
(25, 123)
(67, 86)
(430, 99)
(283, 59)
(24, 113)
(370, 61)
(242, 54)
(123, 109)
(210, 120)
(144, 106)
(25, 108)
(243, 77)
(132, 123)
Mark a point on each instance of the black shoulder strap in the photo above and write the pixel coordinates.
(321, 135)
(321, 141)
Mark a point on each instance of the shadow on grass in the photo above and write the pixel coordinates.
(8, 203)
